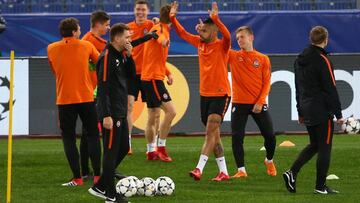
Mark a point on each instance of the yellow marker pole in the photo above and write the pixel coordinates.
(8, 191)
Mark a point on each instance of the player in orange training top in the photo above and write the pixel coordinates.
(100, 25)
(214, 84)
(251, 73)
(69, 61)
(157, 97)
(140, 27)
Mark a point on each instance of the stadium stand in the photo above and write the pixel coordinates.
(85, 6)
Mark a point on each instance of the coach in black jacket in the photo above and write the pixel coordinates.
(114, 68)
(317, 104)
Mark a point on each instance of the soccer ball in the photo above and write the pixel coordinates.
(136, 180)
(146, 187)
(351, 125)
(126, 187)
(164, 185)
(140, 188)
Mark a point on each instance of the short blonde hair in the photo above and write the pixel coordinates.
(245, 28)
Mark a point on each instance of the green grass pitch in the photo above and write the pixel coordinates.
(40, 166)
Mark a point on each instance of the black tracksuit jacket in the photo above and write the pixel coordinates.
(316, 94)
(114, 72)
(114, 69)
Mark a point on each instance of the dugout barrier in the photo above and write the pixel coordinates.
(35, 111)
(276, 32)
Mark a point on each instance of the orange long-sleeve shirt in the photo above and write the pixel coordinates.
(138, 31)
(69, 60)
(251, 75)
(99, 44)
(213, 59)
(155, 55)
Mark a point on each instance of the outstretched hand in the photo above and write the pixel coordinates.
(156, 20)
(174, 9)
(214, 9)
(199, 26)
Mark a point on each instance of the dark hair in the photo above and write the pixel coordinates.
(142, 2)
(98, 17)
(318, 35)
(116, 29)
(67, 26)
(208, 21)
(245, 28)
(164, 14)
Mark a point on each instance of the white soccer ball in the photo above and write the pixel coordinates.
(136, 180)
(126, 187)
(164, 186)
(147, 187)
(351, 125)
(140, 188)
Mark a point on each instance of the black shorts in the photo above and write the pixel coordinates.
(134, 87)
(213, 105)
(155, 93)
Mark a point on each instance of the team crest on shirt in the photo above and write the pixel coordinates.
(145, 31)
(240, 59)
(256, 63)
(165, 96)
(118, 123)
(201, 47)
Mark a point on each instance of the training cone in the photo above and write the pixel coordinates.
(262, 148)
(287, 143)
(332, 177)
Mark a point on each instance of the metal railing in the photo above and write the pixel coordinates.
(86, 6)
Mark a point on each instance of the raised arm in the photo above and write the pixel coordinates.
(145, 38)
(180, 30)
(222, 28)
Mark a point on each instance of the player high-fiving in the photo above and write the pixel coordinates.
(214, 85)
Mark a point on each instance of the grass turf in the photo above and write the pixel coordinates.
(40, 166)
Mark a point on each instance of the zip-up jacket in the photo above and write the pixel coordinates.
(114, 69)
(316, 95)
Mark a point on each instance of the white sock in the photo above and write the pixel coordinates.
(242, 169)
(268, 161)
(130, 140)
(222, 164)
(156, 139)
(202, 162)
(150, 147)
(161, 142)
